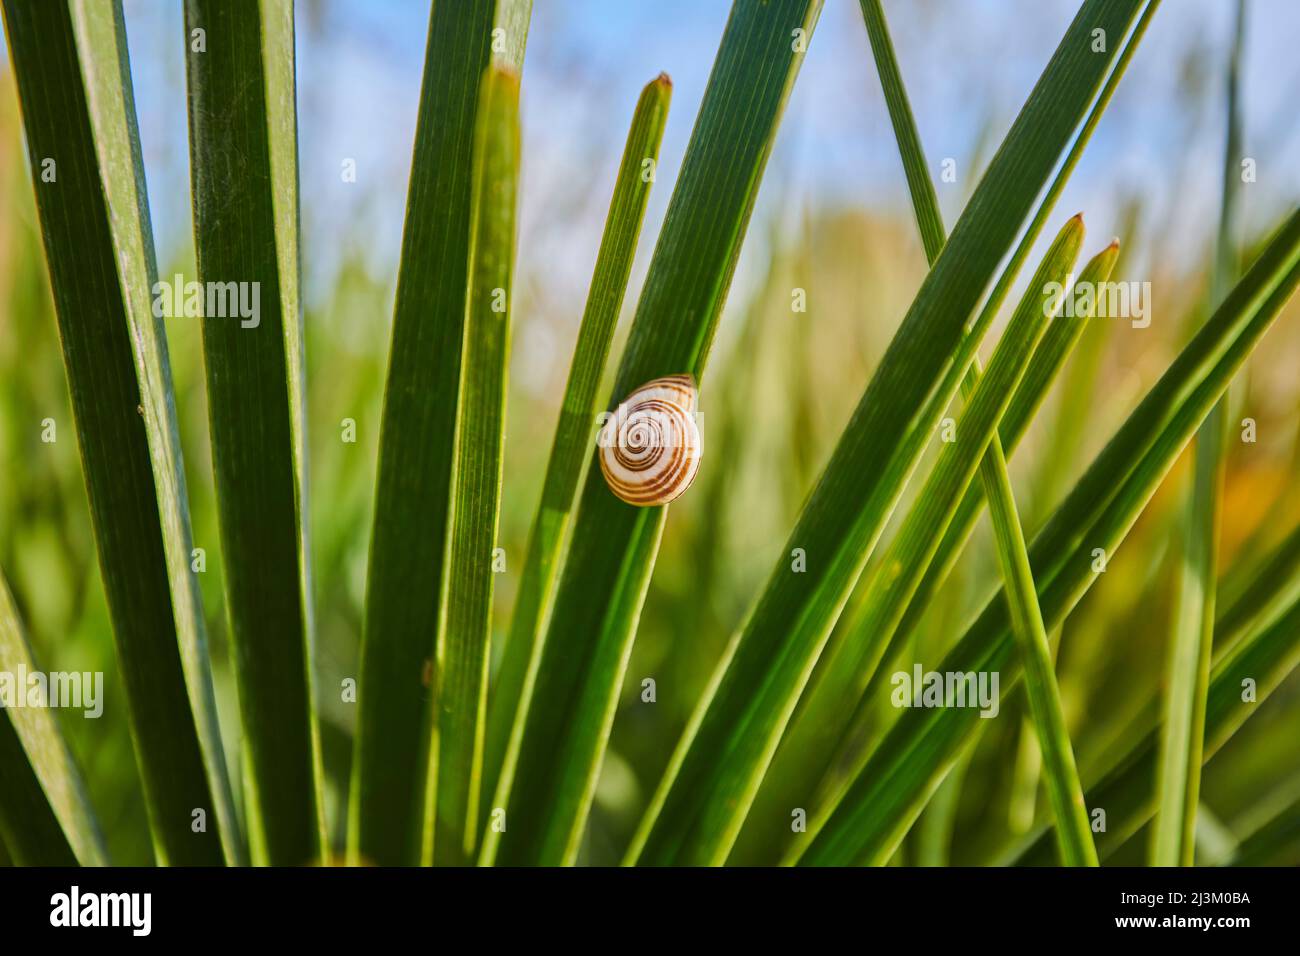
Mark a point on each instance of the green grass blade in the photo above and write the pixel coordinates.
(711, 782)
(1027, 621)
(1188, 668)
(45, 816)
(1260, 587)
(1058, 342)
(513, 686)
(413, 486)
(1074, 409)
(1081, 379)
(1276, 843)
(459, 703)
(30, 830)
(1215, 843)
(934, 832)
(1173, 836)
(819, 720)
(925, 203)
(241, 103)
(70, 61)
(876, 810)
(1129, 791)
(1060, 774)
(820, 745)
(613, 544)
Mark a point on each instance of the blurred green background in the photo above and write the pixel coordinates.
(780, 387)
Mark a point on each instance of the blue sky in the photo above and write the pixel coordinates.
(968, 65)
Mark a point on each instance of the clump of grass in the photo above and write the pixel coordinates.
(785, 754)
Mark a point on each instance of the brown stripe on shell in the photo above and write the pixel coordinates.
(662, 470)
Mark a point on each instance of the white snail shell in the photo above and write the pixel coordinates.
(650, 446)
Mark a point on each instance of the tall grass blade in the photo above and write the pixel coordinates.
(1074, 409)
(1059, 771)
(830, 755)
(1129, 791)
(241, 104)
(878, 807)
(613, 544)
(1027, 620)
(417, 437)
(925, 203)
(459, 705)
(74, 84)
(513, 686)
(820, 745)
(45, 816)
(713, 777)
(838, 686)
(1188, 675)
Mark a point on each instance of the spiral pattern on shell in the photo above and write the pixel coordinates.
(650, 446)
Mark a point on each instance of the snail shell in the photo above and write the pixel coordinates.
(650, 446)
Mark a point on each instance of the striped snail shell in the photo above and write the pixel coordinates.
(650, 446)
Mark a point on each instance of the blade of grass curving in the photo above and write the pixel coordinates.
(413, 484)
(45, 816)
(875, 811)
(1129, 791)
(613, 544)
(459, 705)
(1062, 776)
(74, 85)
(241, 104)
(1188, 670)
(836, 688)
(712, 778)
(512, 688)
